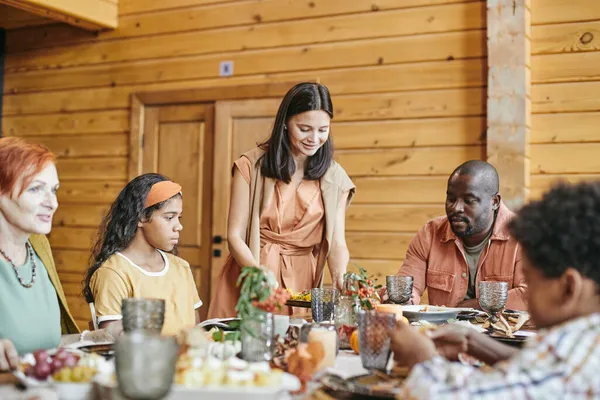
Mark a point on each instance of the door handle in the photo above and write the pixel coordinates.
(218, 239)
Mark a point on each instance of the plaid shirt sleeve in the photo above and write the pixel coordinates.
(441, 379)
(562, 363)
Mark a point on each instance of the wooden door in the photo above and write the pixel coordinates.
(178, 142)
(239, 126)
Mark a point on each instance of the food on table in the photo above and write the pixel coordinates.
(75, 374)
(205, 362)
(344, 332)
(430, 308)
(391, 309)
(62, 366)
(507, 323)
(303, 361)
(354, 342)
(425, 326)
(219, 343)
(221, 336)
(195, 369)
(282, 347)
(299, 296)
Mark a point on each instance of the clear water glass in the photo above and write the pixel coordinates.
(257, 336)
(145, 365)
(345, 311)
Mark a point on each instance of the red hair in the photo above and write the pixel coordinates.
(21, 159)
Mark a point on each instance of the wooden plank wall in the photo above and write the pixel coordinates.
(565, 70)
(407, 76)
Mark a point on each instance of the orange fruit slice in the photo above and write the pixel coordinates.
(354, 342)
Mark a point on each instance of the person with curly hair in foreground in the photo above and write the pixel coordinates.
(560, 236)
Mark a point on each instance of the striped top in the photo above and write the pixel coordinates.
(562, 362)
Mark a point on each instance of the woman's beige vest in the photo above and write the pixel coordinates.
(334, 184)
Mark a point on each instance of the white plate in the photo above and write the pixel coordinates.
(71, 390)
(433, 314)
(289, 383)
(74, 391)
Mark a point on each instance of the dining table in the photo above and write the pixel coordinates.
(347, 364)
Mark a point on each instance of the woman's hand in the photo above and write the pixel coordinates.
(450, 340)
(410, 347)
(9, 358)
(338, 281)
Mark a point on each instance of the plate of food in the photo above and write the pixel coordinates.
(374, 385)
(199, 376)
(71, 372)
(299, 299)
(430, 313)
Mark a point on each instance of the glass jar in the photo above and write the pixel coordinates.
(257, 335)
(345, 311)
(145, 364)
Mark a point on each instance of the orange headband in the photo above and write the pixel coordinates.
(161, 191)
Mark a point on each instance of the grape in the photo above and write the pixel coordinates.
(42, 371)
(70, 361)
(40, 356)
(30, 370)
(56, 364)
(61, 354)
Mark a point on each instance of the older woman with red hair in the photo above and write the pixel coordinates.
(33, 307)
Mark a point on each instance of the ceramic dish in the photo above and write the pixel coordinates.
(108, 390)
(431, 313)
(367, 386)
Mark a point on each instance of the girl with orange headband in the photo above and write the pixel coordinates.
(133, 258)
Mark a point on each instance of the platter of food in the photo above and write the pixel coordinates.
(70, 372)
(430, 313)
(299, 299)
(200, 377)
(377, 385)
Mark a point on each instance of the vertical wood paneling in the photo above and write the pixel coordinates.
(565, 72)
(407, 78)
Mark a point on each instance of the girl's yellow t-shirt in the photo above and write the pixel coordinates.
(119, 278)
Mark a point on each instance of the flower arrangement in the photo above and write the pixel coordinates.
(362, 288)
(259, 293)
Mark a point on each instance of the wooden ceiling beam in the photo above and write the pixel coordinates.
(92, 15)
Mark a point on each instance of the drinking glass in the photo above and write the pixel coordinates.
(373, 339)
(345, 311)
(144, 314)
(399, 288)
(145, 365)
(257, 336)
(492, 297)
(322, 303)
(328, 337)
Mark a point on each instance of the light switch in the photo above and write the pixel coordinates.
(226, 68)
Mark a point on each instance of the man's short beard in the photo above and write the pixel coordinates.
(467, 233)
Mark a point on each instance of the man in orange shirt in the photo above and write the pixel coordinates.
(451, 254)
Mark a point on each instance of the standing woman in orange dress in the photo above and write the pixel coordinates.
(288, 203)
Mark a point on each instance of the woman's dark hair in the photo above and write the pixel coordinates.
(562, 230)
(277, 162)
(120, 225)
